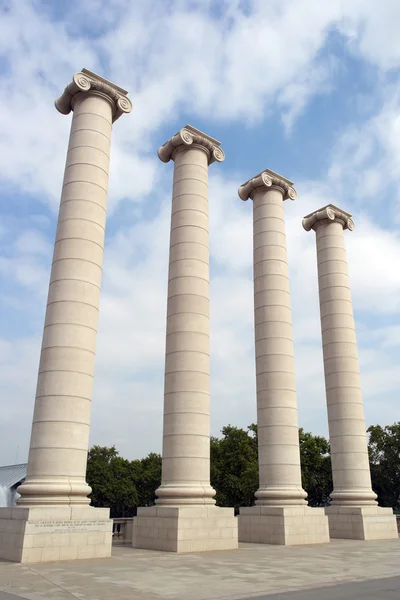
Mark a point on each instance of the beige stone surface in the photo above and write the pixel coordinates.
(186, 432)
(287, 525)
(361, 523)
(61, 421)
(185, 528)
(280, 496)
(347, 431)
(52, 533)
(253, 570)
(185, 518)
(277, 420)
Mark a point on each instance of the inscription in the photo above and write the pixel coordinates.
(69, 526)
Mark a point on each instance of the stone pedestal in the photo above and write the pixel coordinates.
(361, 523)
(280, 515)
(185, 528)
(55, 484)
(190, 521)
(44, 534)
(285, 525)
(353, 512)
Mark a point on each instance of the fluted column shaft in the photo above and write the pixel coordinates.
(186, 434)
(277, 419)
(278, 429)
(60, 430)
(349, 452)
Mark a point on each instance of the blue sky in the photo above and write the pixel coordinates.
(307, 88)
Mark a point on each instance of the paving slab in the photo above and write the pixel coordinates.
(5, 596)
(375, 589)
(253, 570)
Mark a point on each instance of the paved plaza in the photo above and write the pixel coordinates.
(255, 570)
(53, 520)
(377, 589)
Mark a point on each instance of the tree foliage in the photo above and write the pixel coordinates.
(384, 456)
(124, 485)
(121, 484)
(149, 478)
(234, 466)
(316, 470)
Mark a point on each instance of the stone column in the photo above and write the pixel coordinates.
(352, 495)
(55, 481)
(185, 492)
(280, 495)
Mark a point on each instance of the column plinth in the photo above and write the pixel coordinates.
(55, 488)
(352, 491)
(185, 492)
(277, 419)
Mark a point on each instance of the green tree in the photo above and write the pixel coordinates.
(98, 474)
(124, 485)
(149, 478)
(112, 482)
(234, 466)
(316, 470)
(124, 495)
(384, 455)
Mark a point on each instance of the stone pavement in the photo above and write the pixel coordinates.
(253, 570)
(373, 589)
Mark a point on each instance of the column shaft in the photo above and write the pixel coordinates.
(278, 436)
(61, 421)
(349, 452)
(353, 512)
(185, 518)
(281, 515)
(186, 437)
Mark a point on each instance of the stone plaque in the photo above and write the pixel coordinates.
(69, 526)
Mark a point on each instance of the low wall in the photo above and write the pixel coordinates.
(122, 531)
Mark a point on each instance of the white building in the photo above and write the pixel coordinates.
(11, 477)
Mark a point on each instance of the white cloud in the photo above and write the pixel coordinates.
(181, 58)
(295, 96)
(371, 29)
(19, 360)
(268, 57)
(366, 163)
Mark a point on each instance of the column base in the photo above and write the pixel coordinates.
(286, 525)
(185, 528)
(361, 523)
(50, 533)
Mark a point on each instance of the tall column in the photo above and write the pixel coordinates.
(280, 488)
(55, 482)
(185, 487)
(186, 437)
(352, 493)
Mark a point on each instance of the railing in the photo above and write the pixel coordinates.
(122, 531)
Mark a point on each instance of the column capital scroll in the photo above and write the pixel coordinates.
(86, 81)
(329, 213)
(190, 136)
(268, 179)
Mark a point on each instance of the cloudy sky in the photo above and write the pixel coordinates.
(307, 88)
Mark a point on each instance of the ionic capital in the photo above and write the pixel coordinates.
(267, 179)
(328, 214)
(88, 82)
(190, 136)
